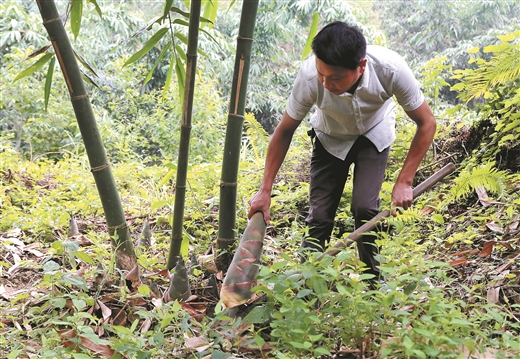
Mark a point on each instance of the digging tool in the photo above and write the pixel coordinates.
(370, 225)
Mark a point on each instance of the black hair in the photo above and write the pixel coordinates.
(339, 44)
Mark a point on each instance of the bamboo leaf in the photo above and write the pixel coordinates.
(167, 7)
(148, 46)
(181, 77)
(210, 12)
(169, 74)
(180, 52)
(84, 62)
(167, 177)
(96, 6)
(211, 37)
(76, 12)
(181, 22)
(182, 37)
(48, 82)
(180, 12)
(88, 79)
(34, 67)
(159, 21)
(38, 52)
(312, 33)
(158, 204)
(159, 59)
(185, 244)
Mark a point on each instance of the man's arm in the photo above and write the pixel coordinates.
(276, 151)
(402, 194)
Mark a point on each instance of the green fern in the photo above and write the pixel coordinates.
(256, 136)
(486, 176)
(502, 69)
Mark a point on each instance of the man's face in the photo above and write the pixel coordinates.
(337, 79)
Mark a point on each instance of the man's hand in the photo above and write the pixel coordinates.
(261, 201)
(402, 196)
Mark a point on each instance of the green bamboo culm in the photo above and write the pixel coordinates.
(184, 145)
(116, 221)
(228, 184)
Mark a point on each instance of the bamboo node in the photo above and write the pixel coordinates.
(225, 240)
(245, 38)
(120, 226)
(51, 20)
(228, 184)
(80, 97)
(99, 168)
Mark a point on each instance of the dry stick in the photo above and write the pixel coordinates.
(370, 225)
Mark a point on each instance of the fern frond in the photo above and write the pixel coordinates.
(486, 175)
(502, 68)
(257, 137)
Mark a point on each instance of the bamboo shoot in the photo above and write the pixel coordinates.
(240, 277)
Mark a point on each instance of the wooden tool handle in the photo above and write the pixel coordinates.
(370, 225)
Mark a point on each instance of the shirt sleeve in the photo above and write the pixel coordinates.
(301, 99)
(407, 89)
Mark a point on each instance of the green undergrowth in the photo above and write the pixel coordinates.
(315, 309)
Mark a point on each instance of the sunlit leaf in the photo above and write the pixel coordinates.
(473, 50)
(167, 177)
(76, 12)
(210, 13)
(84, 257)
(48, 82)
(496, 48)
(144, 290)
(148, 46)
(34, 67)
(312, 33)
(508, 37)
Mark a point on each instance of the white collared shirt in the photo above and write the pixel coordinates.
(369, 111)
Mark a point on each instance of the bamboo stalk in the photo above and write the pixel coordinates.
(100, 167)
(184, 146)
(228, 183)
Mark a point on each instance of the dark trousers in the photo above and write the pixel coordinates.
(328, 177)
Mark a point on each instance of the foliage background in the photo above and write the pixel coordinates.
(437, 253)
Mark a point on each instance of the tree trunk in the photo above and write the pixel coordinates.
(115, 217)
(228, 184)
(182, 165)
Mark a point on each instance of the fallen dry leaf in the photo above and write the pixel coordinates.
(427, 210)
(493, 295)
(198, 344)
(106, 312)
(102, 350)
(492, 226)
(459, 262)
